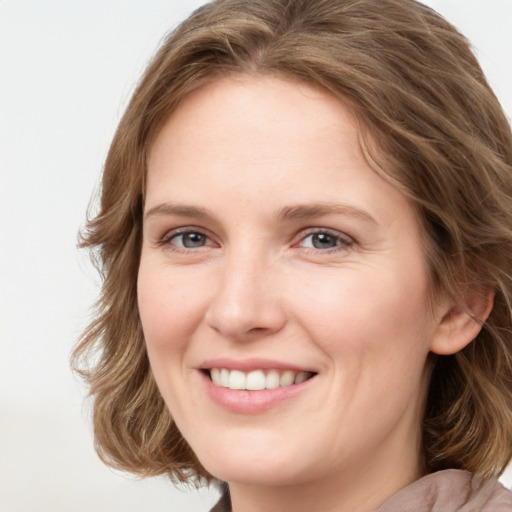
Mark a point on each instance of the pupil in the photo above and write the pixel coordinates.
(323, 240)
(193, 240)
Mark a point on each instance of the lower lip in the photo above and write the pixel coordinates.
(243, 401)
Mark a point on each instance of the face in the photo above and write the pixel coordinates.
(282, 289)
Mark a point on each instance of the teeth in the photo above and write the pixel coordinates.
(272, 380)
(256, 380)
(301, 377)
(237, 380)
(215, 374)
(287, 378)
(224, 378)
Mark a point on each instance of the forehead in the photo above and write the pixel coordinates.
(253, 119)
(235, 96)
(250, 138)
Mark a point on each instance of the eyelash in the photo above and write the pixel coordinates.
(343, 242)
(166, 240)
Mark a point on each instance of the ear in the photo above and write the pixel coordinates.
(460, 320)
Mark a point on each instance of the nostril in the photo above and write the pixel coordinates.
(257, 330)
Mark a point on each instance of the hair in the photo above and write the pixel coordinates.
(430, 124)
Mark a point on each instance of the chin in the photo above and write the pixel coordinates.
(252, 462)
(260, 473)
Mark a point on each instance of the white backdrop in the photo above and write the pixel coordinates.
(66, 72)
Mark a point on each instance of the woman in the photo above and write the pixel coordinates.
(306, 240)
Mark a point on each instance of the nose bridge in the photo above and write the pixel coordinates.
(244, 302)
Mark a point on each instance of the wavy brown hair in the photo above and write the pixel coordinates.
(429, 123)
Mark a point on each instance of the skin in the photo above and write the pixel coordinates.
(355, 310)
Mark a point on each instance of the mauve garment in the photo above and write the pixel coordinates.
(452, 490)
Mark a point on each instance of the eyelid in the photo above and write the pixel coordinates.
(168, 236)
(346, 240)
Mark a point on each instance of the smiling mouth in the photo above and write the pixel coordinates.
(257, 380)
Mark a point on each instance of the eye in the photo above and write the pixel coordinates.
(325, 240)
(187, 239)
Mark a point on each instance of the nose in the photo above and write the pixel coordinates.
(247, 302)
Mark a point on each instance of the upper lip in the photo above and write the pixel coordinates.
(247, 365)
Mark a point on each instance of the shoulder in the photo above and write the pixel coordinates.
(451, 491)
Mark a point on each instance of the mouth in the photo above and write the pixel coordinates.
(254, 386)
(256, 380)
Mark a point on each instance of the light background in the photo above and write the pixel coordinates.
(67, 69)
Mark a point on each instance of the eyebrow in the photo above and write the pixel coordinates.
(298, 212)
(307, 211)
(178, 209)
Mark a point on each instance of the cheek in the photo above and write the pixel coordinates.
(368, 313)
(169, 313)
(169, 308)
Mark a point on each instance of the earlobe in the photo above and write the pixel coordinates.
(460, 321)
